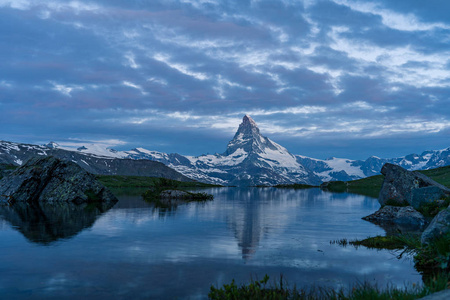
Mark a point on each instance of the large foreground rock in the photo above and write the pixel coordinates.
(442, 295)
(439, 226)
(48, 179)
(401, 186)
(406, 216)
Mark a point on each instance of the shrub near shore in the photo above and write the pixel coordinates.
(166, 192)
(362, 291)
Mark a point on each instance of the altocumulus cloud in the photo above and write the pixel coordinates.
(321, 77)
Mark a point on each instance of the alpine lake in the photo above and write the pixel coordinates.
(135, 250)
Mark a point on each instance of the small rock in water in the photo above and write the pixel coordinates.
(406, 215)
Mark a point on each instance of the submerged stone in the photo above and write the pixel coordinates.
(406, 216)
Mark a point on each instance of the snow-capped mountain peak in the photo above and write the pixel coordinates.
(52, 145)
(250, 159)
(249, 139)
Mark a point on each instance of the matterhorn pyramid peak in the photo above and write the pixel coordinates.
(247, 127)
(248, 138)
(248, 119)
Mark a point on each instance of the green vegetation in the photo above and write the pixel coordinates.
(431, 258)
(151, 187)
(261, 290)
(92, 196)
(440, 175)
(371, 186)
(153, 194)
(433, 208)
(122, 181)
(377, 242)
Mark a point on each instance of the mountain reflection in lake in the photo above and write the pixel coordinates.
(135, 250)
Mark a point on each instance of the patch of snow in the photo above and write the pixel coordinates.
(18, 161)
(211, 160)
(306, 157)
(406, 162)
(427, 156)
(281, 158)
(95, 149)
(154, 154)
(11, 146)
(342, 164)
(419, 166)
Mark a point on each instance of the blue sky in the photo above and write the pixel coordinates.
(320, 77)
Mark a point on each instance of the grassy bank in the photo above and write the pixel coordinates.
(160, 195)
(262, 289)
(371, 186)
(121, 181)
(433, 258)
(430, 258)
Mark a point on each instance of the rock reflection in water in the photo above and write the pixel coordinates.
(44, 223)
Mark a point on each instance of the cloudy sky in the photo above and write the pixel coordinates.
(320, 77)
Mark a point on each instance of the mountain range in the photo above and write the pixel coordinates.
(249, 159)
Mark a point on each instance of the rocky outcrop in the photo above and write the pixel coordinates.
(402, 187)
(439, 226)
(406, 216)
(48, 179)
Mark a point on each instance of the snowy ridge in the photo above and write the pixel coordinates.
(93, 149)
(250, 159)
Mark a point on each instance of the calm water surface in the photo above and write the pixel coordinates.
(135, 250)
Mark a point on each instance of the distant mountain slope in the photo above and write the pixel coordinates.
(347, 169)
(17, 154)
(249, 159)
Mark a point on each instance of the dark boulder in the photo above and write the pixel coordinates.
(402, 187)
(405, 216)
(439, 226)
(51, 180)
